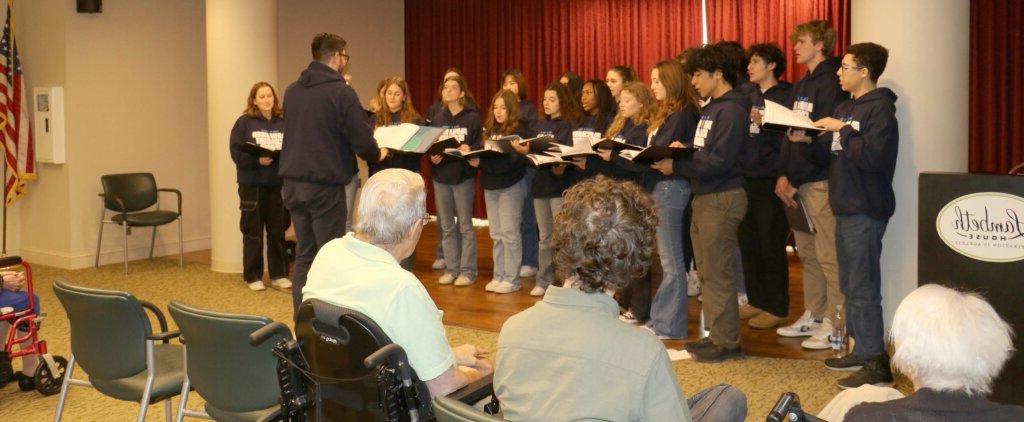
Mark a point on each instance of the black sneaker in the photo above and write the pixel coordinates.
(716, 353)
(25, 382)
(848, 363)
(875, 372)
(699, 344)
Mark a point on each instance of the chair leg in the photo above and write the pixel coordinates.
(167, 410)
(66, 384)
(181, 246)
(152, 243)
(185, 386)
(125, 248)
(99, 241)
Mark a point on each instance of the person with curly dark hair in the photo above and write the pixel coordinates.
(569, 357)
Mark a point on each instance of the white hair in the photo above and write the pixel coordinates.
(390, 203)
(948, 340)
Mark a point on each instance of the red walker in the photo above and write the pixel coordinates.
(50, 372)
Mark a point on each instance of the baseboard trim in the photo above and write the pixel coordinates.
(64, 260)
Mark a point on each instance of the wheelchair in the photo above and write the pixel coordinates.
(341, 366)
(25, 325)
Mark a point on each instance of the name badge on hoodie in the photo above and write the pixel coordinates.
(268, 140)
(703, 128)
(459, 133)
(754, 128)
(836, 145)
(803, 106)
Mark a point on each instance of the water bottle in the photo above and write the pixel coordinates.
(838, 339)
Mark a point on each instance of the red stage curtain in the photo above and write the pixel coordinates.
(542, 38)
(997, 82)
(758, 21)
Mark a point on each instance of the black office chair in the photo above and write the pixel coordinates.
(237, 381)
(129, 195)
(342, 366)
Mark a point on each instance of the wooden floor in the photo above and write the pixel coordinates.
(473, 307)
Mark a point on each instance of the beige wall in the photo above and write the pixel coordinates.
(134, 81)
(374, 30)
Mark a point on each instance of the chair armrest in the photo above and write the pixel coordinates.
(165, 336)
(267, 331)
(475, 391)
(119, 202)
(160, 318)
(174, 191)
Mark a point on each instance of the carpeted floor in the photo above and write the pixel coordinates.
(160, 281)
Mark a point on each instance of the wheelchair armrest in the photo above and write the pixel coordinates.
(174, 191)
(10, 261)
(265, 332)
(165, 336)
(475, 391)
(160, 318)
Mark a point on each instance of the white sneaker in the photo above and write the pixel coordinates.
(741, 299)
(527, 271)
(538, 291)
(438, 264)
(492, 284)
(803, 327)
(629, 318)
(819, 340)
(463, 281)
(257, 286)
(281, 283)
(445, 279)
(692, 284)
(506, 287)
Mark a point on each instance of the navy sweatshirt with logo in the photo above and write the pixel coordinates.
(763, 151)
(409, 162)
(325, 125)
(863, 155)
(816, 95)
(247, 163)
(620, 168)
(546, 184)
(464, 127)
(678, 126)
(502, 172)
(721, 134)
(592, 127)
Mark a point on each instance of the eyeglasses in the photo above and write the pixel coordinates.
(346, 56)
(847, 67)
(425, 219)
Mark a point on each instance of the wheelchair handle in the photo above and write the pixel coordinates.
(382, 354)
(10, 261)
(267, 331)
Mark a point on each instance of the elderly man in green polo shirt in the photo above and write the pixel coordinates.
(361, 271)
(569, 357)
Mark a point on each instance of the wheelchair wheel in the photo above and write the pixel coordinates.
(48, 383)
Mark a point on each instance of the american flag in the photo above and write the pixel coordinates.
(19, 151)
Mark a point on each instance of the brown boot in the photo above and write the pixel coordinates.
(766, 320)
(747, 312)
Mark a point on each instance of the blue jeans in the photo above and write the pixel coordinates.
(721, 403)
(504, 216)
(859, 249)
(546, 209)
(459, 242)
(528, 228)
(669, 309)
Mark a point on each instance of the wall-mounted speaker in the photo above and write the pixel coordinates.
(90, 6)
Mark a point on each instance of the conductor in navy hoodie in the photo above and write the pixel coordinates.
(325, 126)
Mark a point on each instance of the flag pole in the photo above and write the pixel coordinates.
(4, 251)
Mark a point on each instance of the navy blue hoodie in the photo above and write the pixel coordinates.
(502, 172)
(816, 95)
(546, 184)
(529, 118)
(595, 165)
(325, 124)
(464, 127)
(723, 128)
(678, 126)
(621, 168)
(247, 164)
(763, 153)
(409, 162)
(863, 155)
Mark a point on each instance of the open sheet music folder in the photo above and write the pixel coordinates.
(779, 118)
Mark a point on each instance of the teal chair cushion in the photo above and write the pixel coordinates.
(221, 415)
(166, 383)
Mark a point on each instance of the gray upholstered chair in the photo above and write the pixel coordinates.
(447, 409)
(237, 381)
(113, 342)
(128, 196)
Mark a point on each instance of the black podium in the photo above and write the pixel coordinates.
(971, 236)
